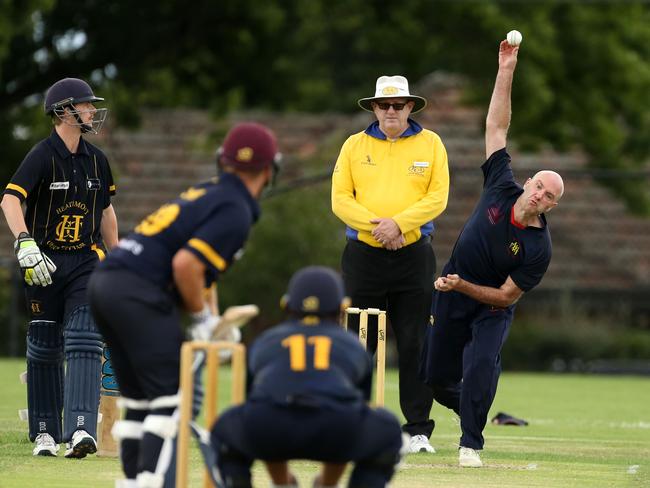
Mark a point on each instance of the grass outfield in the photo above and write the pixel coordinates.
(585, 431)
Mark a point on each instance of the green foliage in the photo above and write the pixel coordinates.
(572, 344)
(583, 77)
(295, 230)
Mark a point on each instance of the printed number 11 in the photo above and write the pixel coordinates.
(297, 345)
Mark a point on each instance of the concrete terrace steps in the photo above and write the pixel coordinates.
(597, 245)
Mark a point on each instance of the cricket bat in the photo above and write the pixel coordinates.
(109, 411)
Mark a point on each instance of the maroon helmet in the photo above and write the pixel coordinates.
(249, 146)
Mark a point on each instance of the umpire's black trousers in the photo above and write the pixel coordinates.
(400, 282)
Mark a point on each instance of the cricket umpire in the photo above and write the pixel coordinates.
(66, 184)
(309, 384)
(161, 269)
(503, 251)
(389, 183)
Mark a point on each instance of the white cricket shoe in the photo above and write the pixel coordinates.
(44, 445)
(126, 483)
(469, 458)
(420, 443)
(82, 443)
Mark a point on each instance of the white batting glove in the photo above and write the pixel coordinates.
(37, 268)
(203, 324)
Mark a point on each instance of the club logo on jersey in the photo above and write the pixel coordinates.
(59, 185)
(69, 229)
(310, 304)
(514, 248)
(494, 215)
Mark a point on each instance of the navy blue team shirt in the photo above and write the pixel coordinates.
(309, 365)
(492, 245)
(212, 220)
(65, 194)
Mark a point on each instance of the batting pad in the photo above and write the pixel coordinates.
(44, 378)
(83, 354)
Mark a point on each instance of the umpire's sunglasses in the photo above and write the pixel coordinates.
(386, 105)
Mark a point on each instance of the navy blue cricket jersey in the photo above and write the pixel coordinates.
(317, 365)
(211, 220)
(492, 245)
(65, 194)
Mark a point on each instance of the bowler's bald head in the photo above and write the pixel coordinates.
(552, 182)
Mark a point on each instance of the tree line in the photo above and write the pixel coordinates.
(583, 78)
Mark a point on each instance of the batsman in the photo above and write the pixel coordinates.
(66, 184)
(161, 270)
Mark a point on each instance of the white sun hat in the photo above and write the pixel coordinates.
(392, 87)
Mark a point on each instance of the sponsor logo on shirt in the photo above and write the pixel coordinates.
(59, 185)
(130, 245)
(368, 161)
(415, 170)
(93, 184)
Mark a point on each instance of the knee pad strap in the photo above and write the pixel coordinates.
(162, 426)
(147, 479)
(132, 403)
(170, 401)
(127, 429)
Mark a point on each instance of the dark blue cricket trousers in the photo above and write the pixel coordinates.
(461, 358)
(332, 433)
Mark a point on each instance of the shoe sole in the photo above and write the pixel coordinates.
(422, 449)
(470, 465)
(45, 452)
(82, 449)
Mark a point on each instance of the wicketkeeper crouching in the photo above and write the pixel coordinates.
(309, 384)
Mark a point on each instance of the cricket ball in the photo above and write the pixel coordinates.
(514, 37)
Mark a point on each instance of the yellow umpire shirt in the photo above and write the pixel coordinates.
(406, 179)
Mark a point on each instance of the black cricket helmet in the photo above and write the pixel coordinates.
(315, 290)
(68, 92)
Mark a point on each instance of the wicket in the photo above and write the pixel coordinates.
(363, 313)
(238, 390)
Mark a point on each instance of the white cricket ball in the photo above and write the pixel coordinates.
(514, 37)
